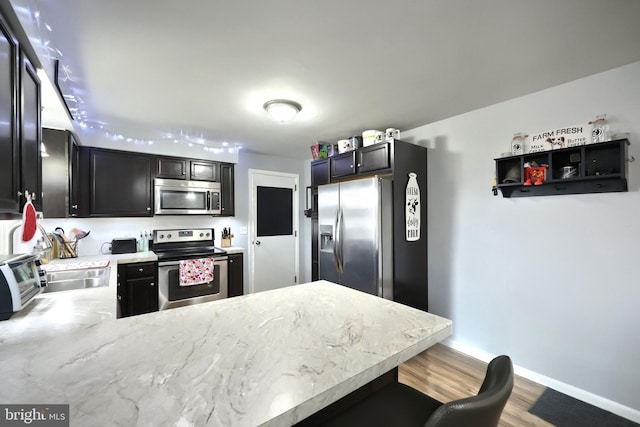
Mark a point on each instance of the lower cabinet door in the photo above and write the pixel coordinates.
(236, 281)
(142, 296)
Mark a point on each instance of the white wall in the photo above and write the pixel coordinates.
(551, 280)
(271, 163)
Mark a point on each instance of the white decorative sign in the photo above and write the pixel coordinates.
(570, 136)
(412, 209)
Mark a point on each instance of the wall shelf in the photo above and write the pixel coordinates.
(599, 168)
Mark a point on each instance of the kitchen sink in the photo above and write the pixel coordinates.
(77, 279)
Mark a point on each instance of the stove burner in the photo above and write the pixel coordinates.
(178, 244)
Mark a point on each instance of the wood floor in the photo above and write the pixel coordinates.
(446, 374)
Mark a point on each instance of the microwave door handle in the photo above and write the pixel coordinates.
(208, 200)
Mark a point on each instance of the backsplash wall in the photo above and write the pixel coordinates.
(105, 229)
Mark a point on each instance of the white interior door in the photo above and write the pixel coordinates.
(273, 223)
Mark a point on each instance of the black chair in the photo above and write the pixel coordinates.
(400, 405)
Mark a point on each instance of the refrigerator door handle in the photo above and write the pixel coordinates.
(335, 241)
(338, 243)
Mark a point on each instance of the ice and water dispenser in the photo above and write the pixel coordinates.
(326, 238)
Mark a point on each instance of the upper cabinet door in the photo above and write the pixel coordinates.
(227, 184)
(204, 171)
(374, 157)
(31, 133)
(9, 187)
(169, 167)
(120, 183)
(74, 176)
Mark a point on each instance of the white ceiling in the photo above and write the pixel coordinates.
(147, 68)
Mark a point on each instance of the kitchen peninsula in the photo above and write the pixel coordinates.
(270, 358)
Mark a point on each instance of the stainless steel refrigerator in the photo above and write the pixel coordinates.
(355, 242)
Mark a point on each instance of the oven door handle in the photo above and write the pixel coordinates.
(169, 263)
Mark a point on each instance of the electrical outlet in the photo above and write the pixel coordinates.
(244, 230)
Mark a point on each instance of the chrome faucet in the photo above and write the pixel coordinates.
(45, 236)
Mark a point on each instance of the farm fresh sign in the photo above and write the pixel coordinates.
(570, 136)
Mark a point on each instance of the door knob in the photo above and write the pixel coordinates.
(257, 242)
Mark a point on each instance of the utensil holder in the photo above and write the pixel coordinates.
(68, 249)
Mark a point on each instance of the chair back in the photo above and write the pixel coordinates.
(484, 409)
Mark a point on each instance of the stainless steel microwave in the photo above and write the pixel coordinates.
(177, 197)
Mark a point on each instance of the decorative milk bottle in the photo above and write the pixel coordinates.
(600, 130)
(412, 209)
(517, 144)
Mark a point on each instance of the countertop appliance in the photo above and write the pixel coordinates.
(355, 242)
(178, 197)
(21, 279)
(174, 248)
(124, 246)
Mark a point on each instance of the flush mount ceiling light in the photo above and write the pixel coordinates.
(282, 110)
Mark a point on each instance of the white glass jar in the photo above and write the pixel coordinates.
(600, 130)
(517, 144)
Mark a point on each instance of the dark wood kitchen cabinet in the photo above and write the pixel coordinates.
(235, 275)
(20, 126)
(171, 167)
(137, 288)
(61, 184)
(320, 174)
(191, 169)
(74, 177)
(9, 102)
(30, 132)
(204, 171)
(373, 158)
(227, 188)
(343, 164)
(119, 183)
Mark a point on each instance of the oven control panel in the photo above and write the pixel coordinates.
(183, 235)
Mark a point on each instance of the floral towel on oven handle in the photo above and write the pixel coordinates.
(196, 271)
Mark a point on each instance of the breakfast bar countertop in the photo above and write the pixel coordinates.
(270, 358)
(51, 314)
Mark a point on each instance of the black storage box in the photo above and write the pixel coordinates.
(124, 246)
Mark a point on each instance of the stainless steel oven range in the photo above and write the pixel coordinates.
(191, 269)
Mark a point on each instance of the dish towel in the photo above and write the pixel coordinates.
(196, 271)
(28, 220)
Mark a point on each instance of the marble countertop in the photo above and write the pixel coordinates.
(51, 314)
(233, 249)
(271, 358)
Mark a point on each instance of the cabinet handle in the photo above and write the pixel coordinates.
(153, 284)
(230, 260)
(148, 209)
(74, 206)
(351, 166)
(119, 298)
(359, 165)
(141, 270)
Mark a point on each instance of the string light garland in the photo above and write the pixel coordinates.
(78, 112)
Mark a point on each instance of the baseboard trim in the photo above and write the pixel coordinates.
(575, 392)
